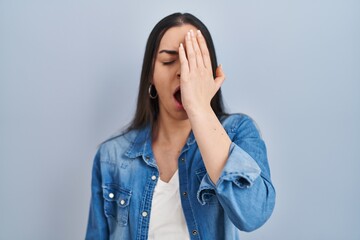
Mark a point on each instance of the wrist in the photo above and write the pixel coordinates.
(199, 112)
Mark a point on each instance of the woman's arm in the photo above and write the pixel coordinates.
(213, 141)
(197, 89)
(237, 168)
(244, 188)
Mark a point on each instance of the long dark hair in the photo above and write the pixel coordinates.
(147, 109)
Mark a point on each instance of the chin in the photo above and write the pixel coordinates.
(175, 113)
(181, 115)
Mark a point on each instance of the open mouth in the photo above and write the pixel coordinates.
(177, 95)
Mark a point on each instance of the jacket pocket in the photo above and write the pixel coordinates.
(116, 203)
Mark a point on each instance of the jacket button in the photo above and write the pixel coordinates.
(185, 194)
(147, 157)
(194, 232)
(111, 195)
(144, 214)
(183, 159)
(122, 202)
(153, 177)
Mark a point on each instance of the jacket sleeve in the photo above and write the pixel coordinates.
(244, 188)
(97, 228)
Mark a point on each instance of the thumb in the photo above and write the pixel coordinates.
(220, 77)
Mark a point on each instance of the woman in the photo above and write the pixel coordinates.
(183, 169)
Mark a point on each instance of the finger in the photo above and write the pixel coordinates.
(190, 52)
(220, 77)
(198, 55)
(183, 60)
(204, 50)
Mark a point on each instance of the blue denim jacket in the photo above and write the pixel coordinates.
(125, 174)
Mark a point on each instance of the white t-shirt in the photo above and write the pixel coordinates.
(167, 219)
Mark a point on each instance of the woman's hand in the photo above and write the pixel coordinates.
(197, 83)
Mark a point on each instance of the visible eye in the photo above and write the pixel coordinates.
(168, 63)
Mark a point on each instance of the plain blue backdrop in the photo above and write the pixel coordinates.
(69, 73)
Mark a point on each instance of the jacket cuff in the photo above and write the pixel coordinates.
(206, 190)
(240, 168)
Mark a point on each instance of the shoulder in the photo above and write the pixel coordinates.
(121, 139)
(118, 145)
(239, 122)
(233, 121)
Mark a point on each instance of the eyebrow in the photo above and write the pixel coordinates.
(172, 52)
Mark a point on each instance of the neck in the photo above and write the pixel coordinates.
(171, 132)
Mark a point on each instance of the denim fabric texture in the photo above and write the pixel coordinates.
(125, 174)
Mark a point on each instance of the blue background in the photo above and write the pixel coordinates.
(69, 73)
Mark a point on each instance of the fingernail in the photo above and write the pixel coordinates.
(192, 33)
(199, 32)
(181, 45)
(188, 36)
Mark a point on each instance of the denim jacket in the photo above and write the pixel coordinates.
(125, 174)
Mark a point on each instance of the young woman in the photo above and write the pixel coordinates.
(184, 169)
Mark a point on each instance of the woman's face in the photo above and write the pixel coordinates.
(166, 78)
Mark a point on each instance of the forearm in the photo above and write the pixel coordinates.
(212, 139)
